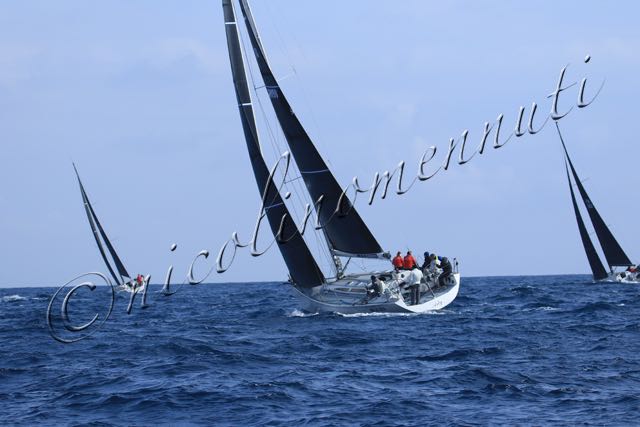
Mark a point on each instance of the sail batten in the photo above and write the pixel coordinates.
(345, 231)
(613, 252)
(303, 269)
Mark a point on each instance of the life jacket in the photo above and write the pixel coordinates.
(398, 262)
(409, 262)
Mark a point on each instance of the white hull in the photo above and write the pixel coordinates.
(351, 304)
(626, 277)
(130, 289)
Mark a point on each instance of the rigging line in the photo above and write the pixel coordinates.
(305, 97)
(255, 131)
(283, 46)
(272, 139)
(299, 191)
(293, 179)
(280, 79)
(275, 148)
(257, 97)
(320, 246)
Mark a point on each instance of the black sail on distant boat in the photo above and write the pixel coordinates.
(345, 232)
(598, 270)
(613, 252)
(110, 256)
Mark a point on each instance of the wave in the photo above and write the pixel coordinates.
(593, 307)
(13, 298)
(505, 352)
(535, 307)
(377, 314)
(461, 354)
(300, 313)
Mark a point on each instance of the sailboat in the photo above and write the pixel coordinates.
(621, 269)
(345, 235)
(114, 264)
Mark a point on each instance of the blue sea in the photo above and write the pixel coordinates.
(553, 350)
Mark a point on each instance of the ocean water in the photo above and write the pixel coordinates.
(510, 350)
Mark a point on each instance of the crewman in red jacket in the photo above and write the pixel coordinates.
(409, 262)
(398, 262)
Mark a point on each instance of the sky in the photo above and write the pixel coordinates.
(139, 95)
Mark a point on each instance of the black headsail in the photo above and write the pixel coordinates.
(610, 246)
(114, 264)
(302, 266)
(597, 268)
(345, 230)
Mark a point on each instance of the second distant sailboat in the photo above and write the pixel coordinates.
(621, 268)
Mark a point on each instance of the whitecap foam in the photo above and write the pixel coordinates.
(12, 298)
(375, 314)
(300, 313)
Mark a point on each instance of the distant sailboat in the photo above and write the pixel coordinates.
(613, 252)
(110, 256)
(345, 235)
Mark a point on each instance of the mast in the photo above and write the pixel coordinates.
(346, 232)
(303, 269)
(597, 268)
(613, 252)
(101, 236)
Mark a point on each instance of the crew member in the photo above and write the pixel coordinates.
(139, 280)
(447, 269)
(426, 263)
(409, 262)
(397, 262)
(412, 282)
(434, 262)
(374, 290)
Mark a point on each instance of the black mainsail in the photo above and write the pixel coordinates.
(346, 232)
(598, 270)
(613, 252)
(302, 266)
(114, 264)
